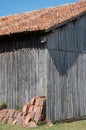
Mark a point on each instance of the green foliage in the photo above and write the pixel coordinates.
(4, 105)
(16, 107)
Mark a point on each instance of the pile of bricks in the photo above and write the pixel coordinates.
(33, 113)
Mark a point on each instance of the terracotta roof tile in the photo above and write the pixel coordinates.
(41, 19)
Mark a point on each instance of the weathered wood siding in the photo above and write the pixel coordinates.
(66, 94)
(22, 69)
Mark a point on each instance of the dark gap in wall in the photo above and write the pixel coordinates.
(75, 20)
(14, 42)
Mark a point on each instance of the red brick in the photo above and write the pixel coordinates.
(10, 120)
(14, 122)
(37, 102)
(37, 118)
(45, 121)
(27, 119)
(32, 114)
(19, 121)
(4, 112)
(32, 102)
(7, 115)
(32, 124)
(3, 115)
(12, 113)
(25, 108)
(40, 97)
(31, 108)
(37, 109)
(23, 116)
(4, 121)
(19, 115)
(16, 113)
(1, 118)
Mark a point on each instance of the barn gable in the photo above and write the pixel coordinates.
(67, 71)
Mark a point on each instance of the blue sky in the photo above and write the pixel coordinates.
(8, 7)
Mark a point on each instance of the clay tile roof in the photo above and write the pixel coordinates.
(43, 19)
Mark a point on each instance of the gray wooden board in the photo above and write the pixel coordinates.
(23, 71)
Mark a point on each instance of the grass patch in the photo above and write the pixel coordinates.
(77, 125)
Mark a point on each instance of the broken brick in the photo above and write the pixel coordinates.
(19, 121)
(32, 102)
(11, 114)
(32, 114)
(27, 119)
(16, 113)
(4, 121)
(1, 118)
(14, 122)
(37, 102)
(31, 108)
(19, 115)
(32, 124)
(37, 118)
(25, 108)
(37, 109)
(10, 120)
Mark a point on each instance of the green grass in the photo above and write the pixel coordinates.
(78, 125)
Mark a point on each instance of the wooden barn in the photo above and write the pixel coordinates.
(44, 53)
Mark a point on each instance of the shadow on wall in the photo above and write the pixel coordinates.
(66, 84)
(63, 61)
(67, 43)
(21, 41)
(66, 71)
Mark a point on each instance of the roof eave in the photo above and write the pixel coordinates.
(65, 22)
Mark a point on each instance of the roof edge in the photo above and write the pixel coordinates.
(65, 22)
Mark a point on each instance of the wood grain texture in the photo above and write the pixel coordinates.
(66, 93)
(22, 70)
